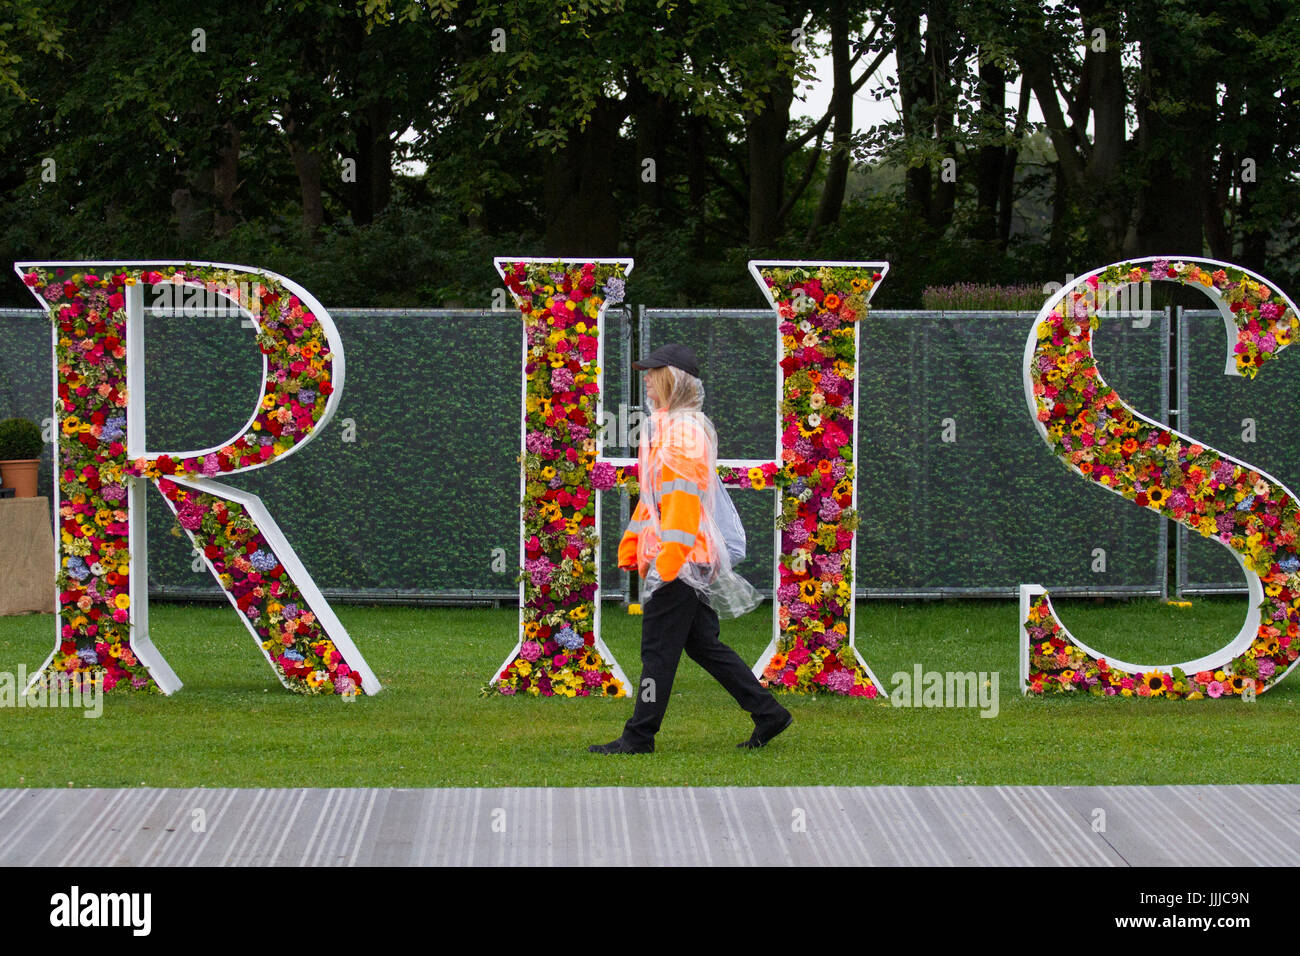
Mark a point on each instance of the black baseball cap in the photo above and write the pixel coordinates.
(678, 356)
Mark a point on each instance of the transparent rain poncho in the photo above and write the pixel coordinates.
(680, 436)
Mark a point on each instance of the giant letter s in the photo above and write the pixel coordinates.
(1098, 436)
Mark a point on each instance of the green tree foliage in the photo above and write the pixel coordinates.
(387, 148)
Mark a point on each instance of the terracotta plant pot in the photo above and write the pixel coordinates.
(20, 476)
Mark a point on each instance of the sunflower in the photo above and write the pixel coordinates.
(1157, 495)
(612, 688)
(808, 591)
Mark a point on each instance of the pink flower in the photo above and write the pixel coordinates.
(530, 651)
(1215, 689)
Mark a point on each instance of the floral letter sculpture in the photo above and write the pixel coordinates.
(1097, 435)
(102, 468)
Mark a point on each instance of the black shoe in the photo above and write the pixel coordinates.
(620, 746)
(764, 732)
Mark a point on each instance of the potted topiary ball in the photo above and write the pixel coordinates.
(20, 455)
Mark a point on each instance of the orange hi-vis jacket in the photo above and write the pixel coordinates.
(679, 492)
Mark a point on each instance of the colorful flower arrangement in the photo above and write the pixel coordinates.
(758, 477)
(89, 314)
(561, 305)
(1098, 436)
(818, 308)
(265, 594)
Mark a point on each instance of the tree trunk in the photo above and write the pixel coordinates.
(992, 157)
(581, 215)
(225, 180)
(307, 164)
(914, 104)
(765, 134)
(837, 169)
(1176, 148)
(653, 134)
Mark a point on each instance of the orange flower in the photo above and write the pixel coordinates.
(1130, 446)
(1086, 467)
(832, 301)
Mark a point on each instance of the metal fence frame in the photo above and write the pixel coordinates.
(635, 327)
(1159, 588)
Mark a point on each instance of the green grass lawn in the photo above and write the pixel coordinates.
(232, 725)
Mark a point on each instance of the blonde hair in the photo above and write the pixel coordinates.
(677, 389)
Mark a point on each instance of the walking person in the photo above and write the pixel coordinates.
(677, 542)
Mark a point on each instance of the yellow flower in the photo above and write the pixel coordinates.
(123, 600)
(523, 668)
(636, 608)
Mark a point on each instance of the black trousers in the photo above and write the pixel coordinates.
(676, 619)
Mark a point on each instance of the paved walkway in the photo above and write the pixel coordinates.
(668, 826)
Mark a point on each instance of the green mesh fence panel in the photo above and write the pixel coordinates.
(977, 515)
(1226, 411)
(411, 493)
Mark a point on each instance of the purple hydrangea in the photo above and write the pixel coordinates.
(787, 593)
(539, 570)
(841, 681)
(263, 560)
(829, 510)
(1266, 668)
(614, 290)
(603, 476)
(290, 611)
(114, 428)
(293, 655)
(77, 569)
(561, 380)
(568, 638)
(113, 492)
(538, 442)
(88, 655)
(827, 565)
